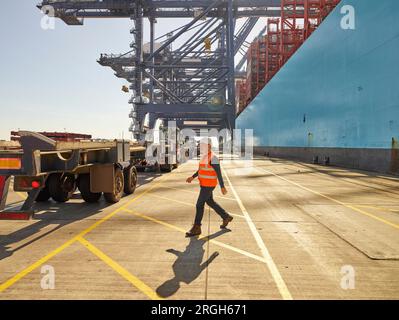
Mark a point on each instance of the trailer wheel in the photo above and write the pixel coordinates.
(116, 196)
(166, 168)
(130, 176)
(84, 188)
(61, 187)
(157, 167)
(44, 195)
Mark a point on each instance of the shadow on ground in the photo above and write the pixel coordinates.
(188, 265)
(55, 216)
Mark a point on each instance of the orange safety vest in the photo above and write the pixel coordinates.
(206, 174)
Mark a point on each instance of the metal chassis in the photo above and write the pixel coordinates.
(40, 158)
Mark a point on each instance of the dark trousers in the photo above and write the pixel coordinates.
(206, 196)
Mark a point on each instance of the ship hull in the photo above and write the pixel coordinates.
(337, 98)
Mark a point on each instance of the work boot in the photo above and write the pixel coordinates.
(226, 222)
(195, 231)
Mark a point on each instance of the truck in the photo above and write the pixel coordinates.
(45, 168)
(162, 151)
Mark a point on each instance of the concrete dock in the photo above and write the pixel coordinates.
(300, 231)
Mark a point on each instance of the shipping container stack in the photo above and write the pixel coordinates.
(57, 136)
(256, 68)
(241, 92)
(327, 6)
(291, 30)
(272, 52)
(267, 55)
(312, 16)
(315, 11)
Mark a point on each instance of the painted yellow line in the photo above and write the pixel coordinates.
(195, 192)
(352, 180)
(121, 270)
(21, 195)
(374, 207)
(332, 199)
(218, 243)
(35, 265)
(170, 199)
(44, 259)
(278, 279)
(15, 203)
(95, 225)
(185, 203)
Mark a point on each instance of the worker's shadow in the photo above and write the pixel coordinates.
(188, 265)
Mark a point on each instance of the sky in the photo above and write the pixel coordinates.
(50, 79)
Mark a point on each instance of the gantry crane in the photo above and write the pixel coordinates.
(194, 84)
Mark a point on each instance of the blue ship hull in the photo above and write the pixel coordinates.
(338, 96)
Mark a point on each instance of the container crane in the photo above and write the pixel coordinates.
(194, 83)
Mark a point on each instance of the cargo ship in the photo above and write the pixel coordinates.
(336, 99)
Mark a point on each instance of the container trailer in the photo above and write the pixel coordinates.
(164, 149)
(45, 168)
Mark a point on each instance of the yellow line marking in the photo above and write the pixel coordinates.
(278, 279)
(44, 259)
(374, 207)
(332, 199)
(35, 265)
(185, 203)
(121, 270)
(195, 192)
(21, 195)
(320, 171)
(15, 203)
(218, 243)
(170, 199)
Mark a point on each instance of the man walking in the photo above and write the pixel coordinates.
(209, 173)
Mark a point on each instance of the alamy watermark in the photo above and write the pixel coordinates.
(47, 22)
(172, 145)
(348, 21)
(348, 277)
(48, 280)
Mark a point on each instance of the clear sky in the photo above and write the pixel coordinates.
(50, 79)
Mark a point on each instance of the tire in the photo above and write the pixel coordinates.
(43, 196)
(84, 188)
(57, 185)
(130, 182)
(166, 168)
(116, 196)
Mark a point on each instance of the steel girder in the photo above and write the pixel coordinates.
(70, 11)
(216, 115)
(184, 78)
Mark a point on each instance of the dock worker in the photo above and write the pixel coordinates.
(209, 173)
